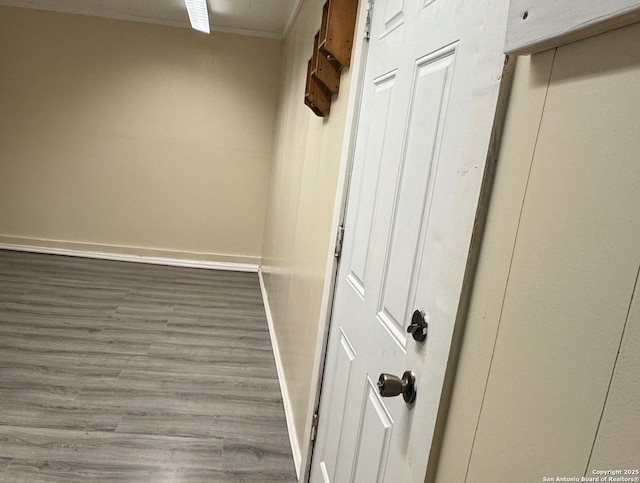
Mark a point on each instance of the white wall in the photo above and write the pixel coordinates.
(298, 225)
(134, 138)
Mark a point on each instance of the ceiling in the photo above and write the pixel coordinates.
(267, 18)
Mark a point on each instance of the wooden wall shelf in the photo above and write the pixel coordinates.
(332, 47)
(338, 26)
(316, 97)
(321, 67)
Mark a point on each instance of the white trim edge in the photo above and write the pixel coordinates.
(288, 412)
(537, 25)
(119, 257)
(247, 32)
(292, 18)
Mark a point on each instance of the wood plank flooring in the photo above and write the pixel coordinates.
(123, 372)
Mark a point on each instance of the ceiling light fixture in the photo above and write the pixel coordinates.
(198, 15)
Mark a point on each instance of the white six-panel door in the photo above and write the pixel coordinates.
(430, 91)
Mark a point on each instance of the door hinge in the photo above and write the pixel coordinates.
(314, 426)
(367, 25)
(339, 239)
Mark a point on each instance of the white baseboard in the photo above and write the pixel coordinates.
(293, 437)
(121, 257)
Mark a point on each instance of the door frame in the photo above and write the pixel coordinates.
(358, 65)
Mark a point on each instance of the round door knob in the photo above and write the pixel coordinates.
(390, 386)
(418, 327)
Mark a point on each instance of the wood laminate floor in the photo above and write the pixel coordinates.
(123, 372)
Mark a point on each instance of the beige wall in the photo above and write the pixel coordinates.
(540, 388)
(134, 138)
(298, 226)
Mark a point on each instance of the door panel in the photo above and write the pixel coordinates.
(393, 15)
(426, 117)
(337, 397)
(374, 435)
(382, 94)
